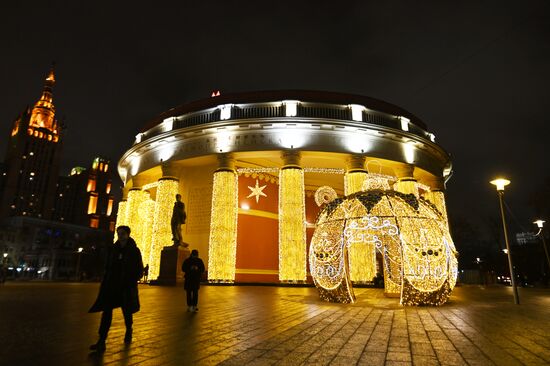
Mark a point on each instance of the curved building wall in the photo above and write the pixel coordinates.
(323, 144)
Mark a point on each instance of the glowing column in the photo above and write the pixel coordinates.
(121, 213)
(362, 256)
(167, 188)
(406, 183)
(134, 220)
(222, 246)
(292, 219)
(356, 174)
(147, 214)
(437, 196)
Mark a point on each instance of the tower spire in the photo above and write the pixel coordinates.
(43, 113)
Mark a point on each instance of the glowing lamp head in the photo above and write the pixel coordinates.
(80, 249)
(500, 183)
(539, 223)
(5, 255)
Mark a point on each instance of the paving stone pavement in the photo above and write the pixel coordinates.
(48, 324)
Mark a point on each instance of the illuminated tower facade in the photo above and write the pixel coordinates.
(32, 159)
(85, 198)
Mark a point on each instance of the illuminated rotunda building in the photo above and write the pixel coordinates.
(255, 170)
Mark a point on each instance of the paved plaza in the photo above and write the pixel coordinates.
(48, 324)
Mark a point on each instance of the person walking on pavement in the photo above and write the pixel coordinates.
(145, 273)
(123, 269)
(193, 267)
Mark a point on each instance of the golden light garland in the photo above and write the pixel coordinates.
(362, 258)
(147, 214)
(324, 195)
(292, 226)
(136, 197)
(438, 199)
(407, 186)
(167, 189)
(276, 170)
(417, 250)
(121, 216)
(222, 245)
(377, 181)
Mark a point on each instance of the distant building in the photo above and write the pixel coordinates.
(46, 249)
(51, 227)
(31, 165)
(84, 197)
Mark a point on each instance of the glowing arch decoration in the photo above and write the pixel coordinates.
(415, 250)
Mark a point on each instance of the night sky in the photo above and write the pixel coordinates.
(477, 73)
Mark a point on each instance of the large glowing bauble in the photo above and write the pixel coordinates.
(412, 236)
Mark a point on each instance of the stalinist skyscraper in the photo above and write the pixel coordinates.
(32, 159)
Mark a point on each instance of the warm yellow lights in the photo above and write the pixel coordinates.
(292, 227)
(121, 216)
(416, 250)
(109, 207)
(222, 245)
(134, 219)
(500, 183)
(362, 258)
(167, 188)
(91, 185)
(539, 223)
(92, 204)
(354, 181)
(146, 214)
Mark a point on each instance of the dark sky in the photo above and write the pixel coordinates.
(477, 72)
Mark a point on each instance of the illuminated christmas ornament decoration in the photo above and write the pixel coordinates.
(257, 191)
(292, 225)
(410, 235)
(222, 245)
(325, 195)
(161, 236)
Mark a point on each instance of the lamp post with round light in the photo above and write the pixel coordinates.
(500, 184)
(540, 225)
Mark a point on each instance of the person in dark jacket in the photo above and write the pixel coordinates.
(123, 269)
(193, 268)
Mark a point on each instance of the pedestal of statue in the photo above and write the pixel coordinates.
(171, 259)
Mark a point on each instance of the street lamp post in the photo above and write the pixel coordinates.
(540, 225)
(4, 269)
(78, 263)
(500, 184)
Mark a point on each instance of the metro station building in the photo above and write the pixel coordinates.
(248, 166)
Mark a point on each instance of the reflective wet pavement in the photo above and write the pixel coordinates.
(48, 324)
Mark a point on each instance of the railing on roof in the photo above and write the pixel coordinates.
(277, 110)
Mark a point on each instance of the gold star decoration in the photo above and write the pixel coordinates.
(257, 191)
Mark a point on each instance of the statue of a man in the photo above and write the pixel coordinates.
(178, 218)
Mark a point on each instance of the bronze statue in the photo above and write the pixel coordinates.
(178, 218)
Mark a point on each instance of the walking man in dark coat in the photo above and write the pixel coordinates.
(123, 269)
(193, 268)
